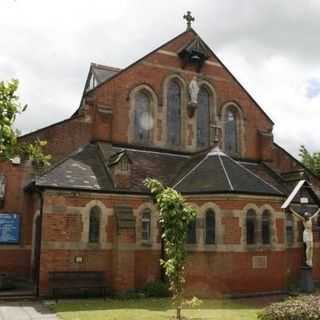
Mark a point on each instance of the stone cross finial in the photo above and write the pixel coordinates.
(189, 18)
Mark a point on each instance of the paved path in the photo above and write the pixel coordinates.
(25, 310)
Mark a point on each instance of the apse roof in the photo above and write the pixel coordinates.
(218, 173)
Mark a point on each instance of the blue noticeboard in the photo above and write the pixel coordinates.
(9, 228)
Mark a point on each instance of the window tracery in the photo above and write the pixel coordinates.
(203, 118)
(143, 120)
(231, 139)
(174, 113)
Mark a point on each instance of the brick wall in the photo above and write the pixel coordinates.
(227, 267)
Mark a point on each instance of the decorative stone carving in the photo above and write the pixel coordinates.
(193, 94)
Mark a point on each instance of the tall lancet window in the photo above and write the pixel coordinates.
(94, 225)
(143, 121)
(174, 113)
(203, 118)
(230, 132)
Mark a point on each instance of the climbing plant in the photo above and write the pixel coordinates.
(10, 145)
(175, 216)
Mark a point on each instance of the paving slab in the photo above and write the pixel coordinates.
(25, 310)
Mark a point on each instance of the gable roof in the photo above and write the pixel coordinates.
(102, 72)
(196, 41)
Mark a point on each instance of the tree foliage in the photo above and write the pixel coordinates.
(10, 146)
(310, 160)
(175, 216)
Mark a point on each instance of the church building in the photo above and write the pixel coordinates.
(180, 116)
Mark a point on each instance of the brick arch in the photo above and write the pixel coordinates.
(148, 90)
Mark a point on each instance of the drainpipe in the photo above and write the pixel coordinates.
(39, 242)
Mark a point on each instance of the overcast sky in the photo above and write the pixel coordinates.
(271, 46)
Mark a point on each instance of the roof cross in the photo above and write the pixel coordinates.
(189, 18)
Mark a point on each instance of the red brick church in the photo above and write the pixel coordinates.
(89, 211)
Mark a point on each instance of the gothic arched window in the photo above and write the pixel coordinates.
(251, 226)
(231, 132)
(143, 121)
(146, 225)
(192, 233)
(210, 227)
(266, 227)
(94, 224)
(203, 118)
(174, 113)
(289, 228)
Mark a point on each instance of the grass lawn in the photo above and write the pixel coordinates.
(151, 309)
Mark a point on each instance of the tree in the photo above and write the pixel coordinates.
(175, 216)
(311, 161)
(10, 145)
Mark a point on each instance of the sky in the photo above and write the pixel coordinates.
(272, 47)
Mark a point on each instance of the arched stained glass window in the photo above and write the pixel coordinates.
(210, 227)
(289, 228)
(230, 132)
(146, 225)
(251, 226)
(94, 224)
(266, 227)
(174, 113)
(143, 121)
(203, 118)
(192, 233)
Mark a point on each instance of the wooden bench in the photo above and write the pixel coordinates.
(78, 281)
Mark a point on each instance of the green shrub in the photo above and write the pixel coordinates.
(300, 308)
(157, 289)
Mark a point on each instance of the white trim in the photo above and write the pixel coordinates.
(226, 173)
(216, 64)
(293, 194)
(168, 53)
(194, 168)
(252, 173)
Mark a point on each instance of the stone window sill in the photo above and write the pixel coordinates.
(146, 243)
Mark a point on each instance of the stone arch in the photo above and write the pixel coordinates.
(200, 121)
(245, 210)
(104, 213)
(153, 99)
(269, 208)
(239, 130)
(154, 222)
(218, 222)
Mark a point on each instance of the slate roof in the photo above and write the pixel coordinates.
(90, 169)
(218, 173)
(81, 170)
(103, 73)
